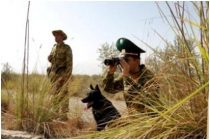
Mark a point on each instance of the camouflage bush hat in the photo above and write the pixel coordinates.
(126, 46)
(59, 32)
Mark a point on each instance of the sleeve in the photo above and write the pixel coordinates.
(50, 58)
(111, 85)
(51, 55)
(69, 60)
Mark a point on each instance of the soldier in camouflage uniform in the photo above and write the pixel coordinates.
(136, 80)
(60, 71)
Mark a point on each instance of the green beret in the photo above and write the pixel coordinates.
(128, 46)
(59, 32)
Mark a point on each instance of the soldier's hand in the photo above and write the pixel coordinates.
(125, 67)
(112, 69)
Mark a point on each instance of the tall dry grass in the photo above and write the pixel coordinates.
(39, 115)
(182, 73)
(181, 70)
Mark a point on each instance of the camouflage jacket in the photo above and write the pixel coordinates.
(136, 91)
(60, 59)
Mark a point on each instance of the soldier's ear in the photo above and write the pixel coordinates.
(97, 88)
(91, 87)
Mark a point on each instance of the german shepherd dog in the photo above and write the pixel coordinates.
(103, 110)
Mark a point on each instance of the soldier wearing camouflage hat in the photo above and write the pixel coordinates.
(134, 80)
(60, 71)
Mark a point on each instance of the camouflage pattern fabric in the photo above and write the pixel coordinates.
(139, 91)
(59, 73)
(61, 62)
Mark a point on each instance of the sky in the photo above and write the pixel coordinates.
(87, 24)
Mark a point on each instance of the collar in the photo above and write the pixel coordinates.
(60, 44)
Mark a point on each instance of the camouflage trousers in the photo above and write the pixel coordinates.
(59, 92)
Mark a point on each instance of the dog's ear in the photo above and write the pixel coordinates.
(91, 87)
(97, 88)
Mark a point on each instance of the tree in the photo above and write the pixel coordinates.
(6, 72)
(106, 51)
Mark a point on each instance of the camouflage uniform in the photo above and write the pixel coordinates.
(61, 62)
(134, 89)
(59, 73)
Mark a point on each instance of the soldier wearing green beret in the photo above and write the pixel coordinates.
(136, 81)
(60, 71)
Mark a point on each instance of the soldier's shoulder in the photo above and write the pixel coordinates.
(67, 46)
(54, 46)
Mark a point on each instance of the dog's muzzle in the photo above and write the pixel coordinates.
(89, 104)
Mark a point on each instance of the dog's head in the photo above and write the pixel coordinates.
(93, 96)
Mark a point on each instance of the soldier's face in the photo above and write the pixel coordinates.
(58, 38)
(133, 63)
